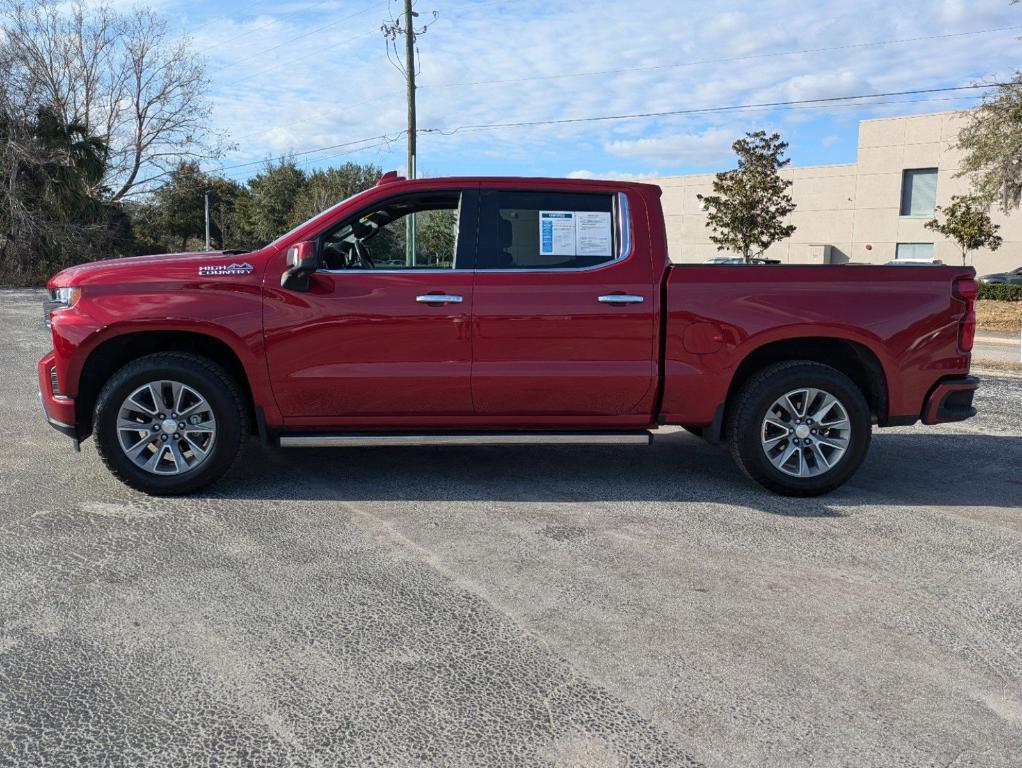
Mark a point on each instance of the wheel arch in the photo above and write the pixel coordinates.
(117, 351)
(854, 359)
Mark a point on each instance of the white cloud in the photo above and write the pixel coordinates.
(709, 148)
(612, 175)
(826, 85)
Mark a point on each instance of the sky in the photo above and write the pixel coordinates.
(290, 77)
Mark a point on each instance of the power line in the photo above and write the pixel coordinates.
(707, 110)
(312, 52)
(293, 38)
(384, 139)
(748, 57)
(291, 61)
(252, 30)
(673, 66)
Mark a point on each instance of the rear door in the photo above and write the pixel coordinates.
(564, 307)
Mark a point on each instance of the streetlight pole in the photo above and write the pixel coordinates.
(206, 198)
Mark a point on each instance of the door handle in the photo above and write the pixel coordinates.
(620, 298)
(439, 298)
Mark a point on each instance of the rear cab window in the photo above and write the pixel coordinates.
(538, 230)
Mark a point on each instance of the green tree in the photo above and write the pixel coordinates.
(749, 206)
(326, 187)
(73, 163)
(224, 196)
(967, 222)
(270, 208)
(174, 217)
(437, 234)
(178, 211)
(48, 216)
(991, 141)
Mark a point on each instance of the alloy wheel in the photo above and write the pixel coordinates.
(166, 427)
(806, 432)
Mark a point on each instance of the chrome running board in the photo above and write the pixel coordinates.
(369, 440)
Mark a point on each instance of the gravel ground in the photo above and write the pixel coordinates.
(587, 607)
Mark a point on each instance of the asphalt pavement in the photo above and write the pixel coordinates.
(590, 607)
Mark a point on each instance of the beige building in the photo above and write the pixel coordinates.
(870, 211)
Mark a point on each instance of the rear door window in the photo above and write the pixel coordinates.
(530, 230)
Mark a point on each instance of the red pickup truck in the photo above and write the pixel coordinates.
(497, 311)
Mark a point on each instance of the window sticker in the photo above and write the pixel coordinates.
(575, 233)
(593, 233)
(557, 233)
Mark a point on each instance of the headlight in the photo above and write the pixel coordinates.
(59, 298)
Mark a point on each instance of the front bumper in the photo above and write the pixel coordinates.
(951, 400)
(58, 410)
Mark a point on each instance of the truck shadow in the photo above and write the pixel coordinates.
(903, 468)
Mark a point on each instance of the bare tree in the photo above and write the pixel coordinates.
(123, 76)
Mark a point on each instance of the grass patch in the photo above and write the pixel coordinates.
(999, 315)
(996, 367)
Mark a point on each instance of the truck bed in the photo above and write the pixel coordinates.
(903, 319)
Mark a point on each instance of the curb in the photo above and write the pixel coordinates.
(995, 370)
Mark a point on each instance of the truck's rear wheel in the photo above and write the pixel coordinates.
(800, 428)
(170, 423)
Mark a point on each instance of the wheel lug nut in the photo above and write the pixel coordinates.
(163, 438)
(181, 425)
(813, 431)
(156, 427)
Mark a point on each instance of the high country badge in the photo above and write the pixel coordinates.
(216, 270)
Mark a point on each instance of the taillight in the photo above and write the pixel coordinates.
(966, 289)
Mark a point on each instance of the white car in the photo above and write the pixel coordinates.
(739, 260)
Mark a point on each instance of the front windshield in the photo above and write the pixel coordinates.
(317, 217)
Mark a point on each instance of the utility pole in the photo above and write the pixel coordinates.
(206, 196)
(404, 26)
(410, 79)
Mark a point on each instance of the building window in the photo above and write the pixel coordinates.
(918, 192)
(914, 252)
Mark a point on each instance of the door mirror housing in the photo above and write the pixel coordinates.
(302, 261)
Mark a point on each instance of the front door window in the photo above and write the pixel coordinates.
(419, 232)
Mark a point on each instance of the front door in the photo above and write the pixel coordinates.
(383, 335)
(565, 308)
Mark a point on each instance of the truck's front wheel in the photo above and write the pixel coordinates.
(170, 423)
(800, 428)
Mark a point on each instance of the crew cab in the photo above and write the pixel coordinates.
(497, 311)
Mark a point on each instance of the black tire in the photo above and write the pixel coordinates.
(225, 400)
(757, 397)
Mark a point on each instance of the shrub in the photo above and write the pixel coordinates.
(1000, 292)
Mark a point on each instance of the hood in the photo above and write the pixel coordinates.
(166, 265)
